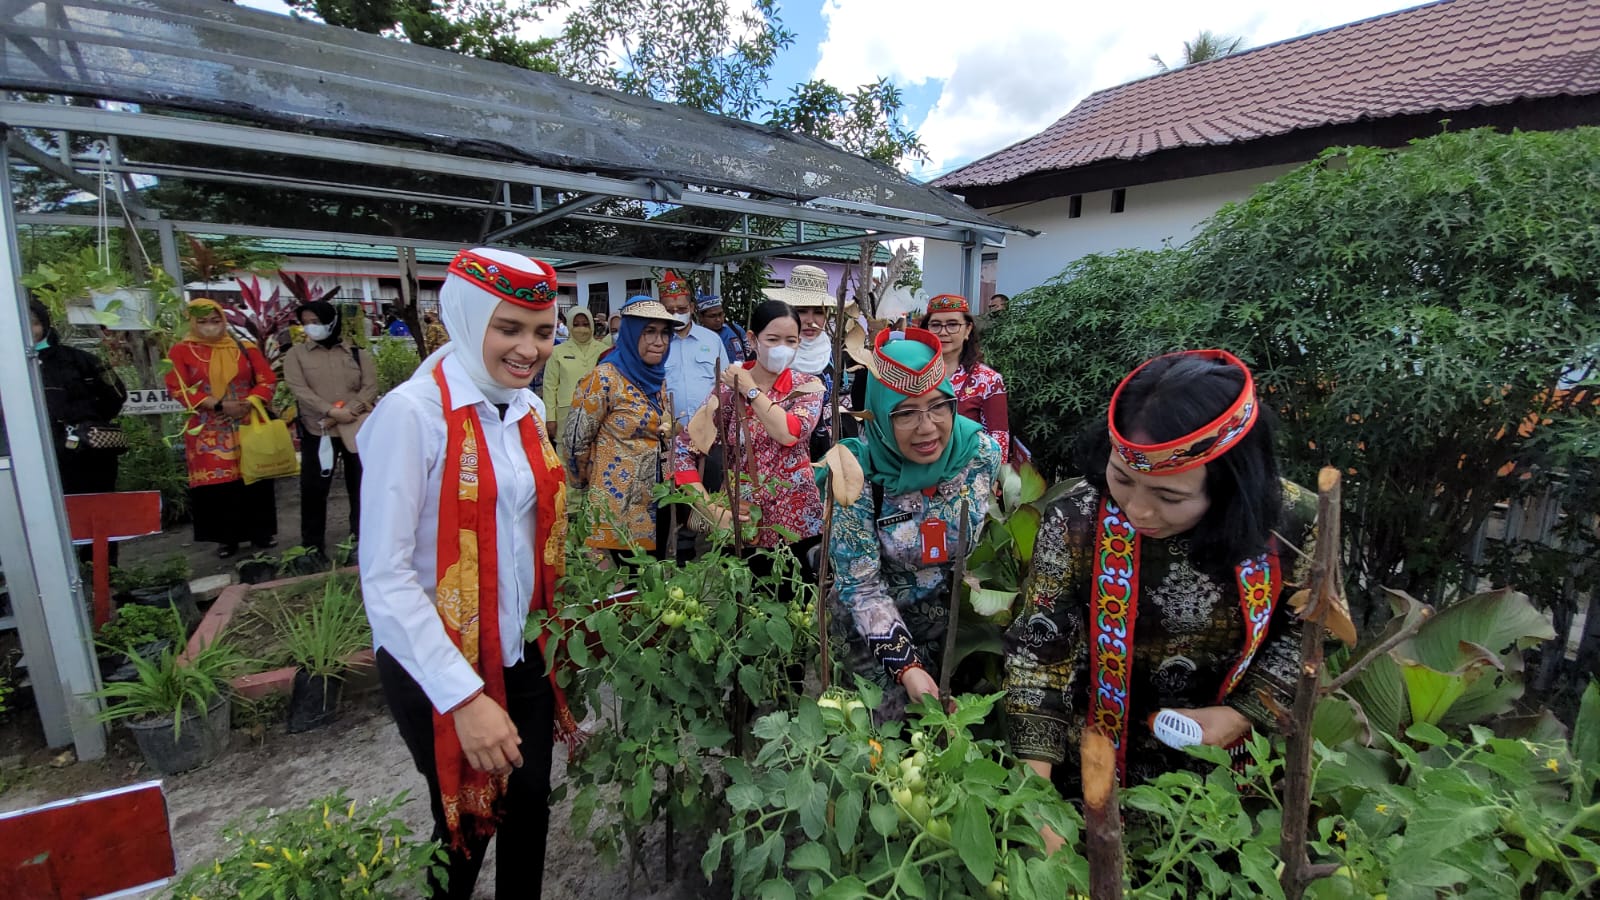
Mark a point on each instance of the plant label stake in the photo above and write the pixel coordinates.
(963, 547)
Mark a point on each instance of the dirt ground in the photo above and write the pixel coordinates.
(361, 753)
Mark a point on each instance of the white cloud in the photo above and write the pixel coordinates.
(1008, 68)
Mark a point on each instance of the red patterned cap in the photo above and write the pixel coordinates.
(512, 277)
(949, 303)
(672, 286)
(901, 378)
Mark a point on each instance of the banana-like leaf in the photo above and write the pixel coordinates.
(1033, 484)
(1024, 528)
(1340, 718)
(1492, 695)
(1586, 729)
(1381, 691)
(1499, 620)
(990, 603)
(1431, 692)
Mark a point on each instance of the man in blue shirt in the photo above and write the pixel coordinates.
(697, 353)
(708, 309)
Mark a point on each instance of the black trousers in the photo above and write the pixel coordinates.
(314, 487)
(525, 816)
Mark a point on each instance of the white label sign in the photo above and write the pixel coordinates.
(150, 402)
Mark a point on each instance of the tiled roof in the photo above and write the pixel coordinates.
(1450, 55)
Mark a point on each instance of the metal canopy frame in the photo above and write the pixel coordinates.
(199, 74)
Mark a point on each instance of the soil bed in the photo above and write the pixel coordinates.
(253, 629)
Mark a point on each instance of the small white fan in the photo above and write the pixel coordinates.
(1175, 729)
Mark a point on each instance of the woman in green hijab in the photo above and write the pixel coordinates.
(893, 545)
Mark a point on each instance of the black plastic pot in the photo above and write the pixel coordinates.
(256, 572)
(314, 701)
(119, 667)
(203, 737)
(167, 596)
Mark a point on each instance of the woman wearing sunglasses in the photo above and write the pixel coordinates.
(980, 391)
(893, 546)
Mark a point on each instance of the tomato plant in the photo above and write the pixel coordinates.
(834, 806)
(671, 669)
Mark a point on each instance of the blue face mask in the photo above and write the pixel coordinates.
(42, 345)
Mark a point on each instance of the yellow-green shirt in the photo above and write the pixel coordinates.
(569, 363)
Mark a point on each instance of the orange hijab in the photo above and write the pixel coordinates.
(226, 350)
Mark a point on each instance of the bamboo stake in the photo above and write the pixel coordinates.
(1102, 816)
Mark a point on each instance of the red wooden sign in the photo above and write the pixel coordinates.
(89, 846)
(103, 518)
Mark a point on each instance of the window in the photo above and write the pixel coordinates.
(988, 275)
(1075, 206)
(600, 298)
(1119, 200)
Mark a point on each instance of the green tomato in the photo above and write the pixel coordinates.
(829, 703)
(672, 619)
(912, 776)
(676, 593)
(995, 889)
(919, 809)
(903, 798)
(939, 828)
(919, 740)
(919, 759)
(692, 606)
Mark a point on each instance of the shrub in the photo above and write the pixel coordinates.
(1424, 319)
(321, 639)
(137, 625)
(395, 361)
(168, 686)
(152, 464)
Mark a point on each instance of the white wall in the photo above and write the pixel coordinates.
(1152, 215)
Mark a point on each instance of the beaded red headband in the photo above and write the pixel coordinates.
(949, 303)
(1204, 444)
(903, 379)
(533, 290)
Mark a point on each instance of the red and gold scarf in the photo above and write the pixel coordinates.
(1116, 609)
(468, 596)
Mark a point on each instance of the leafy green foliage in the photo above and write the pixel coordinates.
(1420, 319)
(151, 465)
(395, 361)
(169, 686)
(870, 121)
(673, 672)
(322, 639)
(71, 276)
(173, 570)
(332, 848)
(136, 625)
(487, 29)
(1462, 667)
(833, 806)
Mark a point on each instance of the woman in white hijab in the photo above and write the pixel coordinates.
(462, 540)
(806, 289)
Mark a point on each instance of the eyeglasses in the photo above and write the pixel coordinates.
(941, 413)
(938, 327)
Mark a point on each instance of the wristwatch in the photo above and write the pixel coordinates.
(752, 394)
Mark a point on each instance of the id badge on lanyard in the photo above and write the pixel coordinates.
(934, 549)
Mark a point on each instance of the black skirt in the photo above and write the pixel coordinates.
(234, 512)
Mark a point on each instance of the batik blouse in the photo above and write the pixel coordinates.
(899, 605)
(981, 397)
(611, 444)
(210, 437)
(1189, 634)
(784, 490)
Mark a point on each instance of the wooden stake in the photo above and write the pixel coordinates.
(1298, 872)
(1102, 817)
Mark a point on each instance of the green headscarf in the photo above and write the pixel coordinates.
(878, 450)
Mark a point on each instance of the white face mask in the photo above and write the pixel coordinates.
(776, 358)
(319, 331)
(681, 318)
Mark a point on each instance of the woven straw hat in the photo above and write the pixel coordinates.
(807, 287)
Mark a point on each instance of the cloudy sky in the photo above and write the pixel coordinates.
(979, 76)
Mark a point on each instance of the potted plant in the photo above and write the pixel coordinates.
(299, 560)
(177, 709)
(147, 630)
(163, 585)
(257, 569)
(321, 642)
